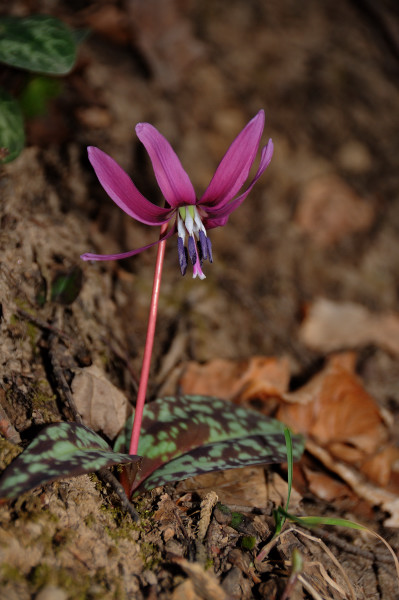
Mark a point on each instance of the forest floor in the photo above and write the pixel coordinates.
(297, 317)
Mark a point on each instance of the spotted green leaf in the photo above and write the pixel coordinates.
(188, 435)
(60, 450)
(12, 135)
(38, 43)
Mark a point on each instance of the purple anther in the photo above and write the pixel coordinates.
(192, 251)
(181, 249)
(209, 248)
(202, 244)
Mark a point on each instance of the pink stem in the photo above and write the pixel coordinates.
(145, 370)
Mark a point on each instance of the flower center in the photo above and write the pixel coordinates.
(199, 246)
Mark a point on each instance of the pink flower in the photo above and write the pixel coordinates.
(192, 218)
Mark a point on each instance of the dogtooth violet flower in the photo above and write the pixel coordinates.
(193, 218)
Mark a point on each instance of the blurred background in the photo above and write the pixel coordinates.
(305, 268)
(321, 224)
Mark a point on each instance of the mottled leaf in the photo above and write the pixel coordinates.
(60, 450)
(38, 43)
(12, 135)
(188, 435)
(249, 451)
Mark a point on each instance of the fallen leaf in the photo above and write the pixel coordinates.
(336, 411)
(374, 494)
(378, 467)
(258, 378)
(205, 586)
(277, 492)
(330, 326)
(329, 210)
(102, 406)
(245, 487)
(324, 486)
(165, 516)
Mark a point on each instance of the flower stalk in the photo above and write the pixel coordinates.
(149, 343)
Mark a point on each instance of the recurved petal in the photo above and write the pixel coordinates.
(217, 217)
(90, 256)
(173, 180)
(234, 168)
(123, 192)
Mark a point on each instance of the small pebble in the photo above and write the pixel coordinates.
(52, 592)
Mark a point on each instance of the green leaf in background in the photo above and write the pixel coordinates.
(12, 135)
(38, 43)
(36, 95)
(66, 285)
(188, 435)
(60, 450)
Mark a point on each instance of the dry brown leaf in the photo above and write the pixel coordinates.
(330, 210)
(165, 517)
(204, 583)
(102, 406)
(185, 591)
(277, 492)
(239, 381)
(370, 492)
(325, 487)
(248, 486)
(378, 467)
(245, 486)
(331, 326)
(336, 410)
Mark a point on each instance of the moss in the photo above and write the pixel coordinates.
(32, 331)
(125, 528)
(150, 555)
(248, 542)
(74, 583)
(41, 575)
(43, 401)
(8, 452)
(223, 508)
(90, 520)
(236, 519)
(209, 563)
(33, 334)
(10, 573)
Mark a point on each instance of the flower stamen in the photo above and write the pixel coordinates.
(199, 247)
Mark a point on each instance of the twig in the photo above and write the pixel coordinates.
(42, 324)
(338, 542)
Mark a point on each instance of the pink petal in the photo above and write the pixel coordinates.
(174, 182)
(218, 217)
(235, 165)
(123, 192)
(89, 256)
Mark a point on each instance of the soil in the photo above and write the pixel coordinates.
(323, 222)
